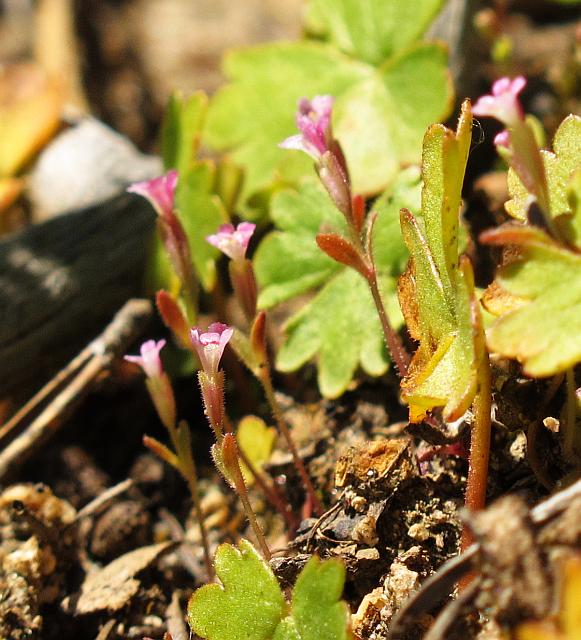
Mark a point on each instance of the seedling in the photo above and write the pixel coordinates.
(450, 368)
(317, 140)
(537, 294)
(250, 598)
(252, 350)
(181, 458)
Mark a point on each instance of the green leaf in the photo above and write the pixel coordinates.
(248, 606)
(339, 325)
(381, 112)
(544, 332)
(317, 613)
(559, 166)
(201, 213)
(181, 129)
(288, 262)
(437, 291)
(380, 121)
(541, 325)
(371, 30)
(256, 112)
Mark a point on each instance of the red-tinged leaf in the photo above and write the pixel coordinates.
(358, 208)
(161, 451)
(342, 251)
(173, 317)
(544, 330)
(516, 234)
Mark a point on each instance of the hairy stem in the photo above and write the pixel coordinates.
(475, 497)
(398, 352)
(266, 382)
(230, 453)
(271, 492)
(192, 479)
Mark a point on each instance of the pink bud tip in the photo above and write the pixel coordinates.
(503, 104)
(233, 242)
(160, 192)
(502, 139)
(210, 345)
(313, 120)
(149, 359)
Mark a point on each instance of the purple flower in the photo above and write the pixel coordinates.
(149, 359)
(503, 104)
(160, 192)
(314, 123)
(210, 345)
(233, 242)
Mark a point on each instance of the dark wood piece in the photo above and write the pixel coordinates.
(62, 281)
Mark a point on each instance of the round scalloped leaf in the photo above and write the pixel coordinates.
(317, 613)
(247, 606)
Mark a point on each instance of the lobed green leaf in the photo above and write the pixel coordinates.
(544, 332)
(381, 113)
(247, 606)
(559, 166)
(317, 612)
(339, 326)
(371, 30)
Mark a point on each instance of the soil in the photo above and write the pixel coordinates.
(97, 537)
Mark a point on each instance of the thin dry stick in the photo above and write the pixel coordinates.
(104, 499)
(439, 584)
(58, 398)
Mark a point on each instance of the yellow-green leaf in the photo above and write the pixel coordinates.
(256, 440)
(437, 291)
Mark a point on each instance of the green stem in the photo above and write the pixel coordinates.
(191, 478)
(271, 492)
(181, 436)
(230, 455)
(266, 381)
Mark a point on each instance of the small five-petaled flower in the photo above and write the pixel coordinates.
(233, 241)
(210, 345)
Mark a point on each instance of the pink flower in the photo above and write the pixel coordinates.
(314, 123)
(233, 242)
(149, 359)
(160, 192)
(502, 139)
(503, 104)
(210, 345)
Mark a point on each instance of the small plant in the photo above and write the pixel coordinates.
(375, 229)
(181, 458)
(450, 368)
(250, 599)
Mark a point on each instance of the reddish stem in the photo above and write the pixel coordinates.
(398, 352)
(283, 428)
